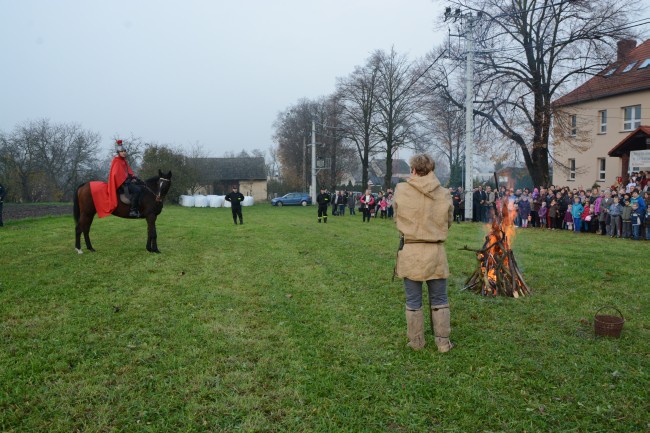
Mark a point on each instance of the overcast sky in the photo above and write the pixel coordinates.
(212, 72)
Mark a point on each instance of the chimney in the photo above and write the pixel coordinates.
(624, 48)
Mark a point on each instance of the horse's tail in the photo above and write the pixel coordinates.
(75, 209)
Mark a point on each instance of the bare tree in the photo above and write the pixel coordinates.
(358, 98)
(292, 128)
(18, 159)
(272, 164)
(258, 153)
(333, 143)
(398, 102)
(445, 124)
(530, 52)
(49, 160)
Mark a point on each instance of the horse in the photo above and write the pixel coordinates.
(151, 202)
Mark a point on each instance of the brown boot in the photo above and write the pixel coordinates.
(442, 326)
(415, 328)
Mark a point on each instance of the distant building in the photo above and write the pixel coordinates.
(376, 173)
(484, 176)
(515, 178)
(605, 119)
(218, 175)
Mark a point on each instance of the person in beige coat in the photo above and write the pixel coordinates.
(423, 214)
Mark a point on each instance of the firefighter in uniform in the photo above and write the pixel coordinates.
(236, 198)
(323, 199)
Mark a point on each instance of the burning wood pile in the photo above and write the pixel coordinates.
(498, 273)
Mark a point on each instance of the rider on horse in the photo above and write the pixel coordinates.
(122, 175)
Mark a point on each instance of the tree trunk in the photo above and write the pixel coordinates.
(538, 167)
(389, 167)
(364, 164)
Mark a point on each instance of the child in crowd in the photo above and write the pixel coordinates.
(576, 213)
(593, 223)
(389, 205)
(636, 218)
(383, 205)
(604, 217)
(626, 216)
(568, 217)
(524, 210)
(614, 211)
(543, 211)
(585, 218)
(553, 212)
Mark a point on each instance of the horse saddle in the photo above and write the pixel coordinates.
(125, 197)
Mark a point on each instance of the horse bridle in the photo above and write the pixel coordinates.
(160, 184)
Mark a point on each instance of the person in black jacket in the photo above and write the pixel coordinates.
(458, 199)
(476, 204)
(3, 192)
(323, 199)
(236, 198)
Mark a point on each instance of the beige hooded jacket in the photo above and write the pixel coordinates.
(423, 214)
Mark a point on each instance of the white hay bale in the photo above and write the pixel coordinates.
(186, 200)
(248, 201)
(200, 201)
(213, 201)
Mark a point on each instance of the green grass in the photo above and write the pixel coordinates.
(286, 325)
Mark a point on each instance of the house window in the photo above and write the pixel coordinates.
(601, 169)
(629, 67)
(574, 125)
(631, 117)
(602, 116)
(572, 169)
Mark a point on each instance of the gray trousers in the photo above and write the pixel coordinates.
(413, 290)
(615, 226)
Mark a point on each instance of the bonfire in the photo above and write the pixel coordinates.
(497, 272)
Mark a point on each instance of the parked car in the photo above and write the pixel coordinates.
(292, 199)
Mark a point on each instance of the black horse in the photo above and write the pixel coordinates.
(154, 191)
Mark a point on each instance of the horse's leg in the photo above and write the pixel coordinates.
(77, 238)
(87, 221)
(152, 243)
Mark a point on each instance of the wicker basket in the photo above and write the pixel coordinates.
(608, 326)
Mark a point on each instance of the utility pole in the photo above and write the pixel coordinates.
(467, 32)
(313, 162)
(469, 116)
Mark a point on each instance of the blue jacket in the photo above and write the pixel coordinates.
(576, 210)
(639, 200)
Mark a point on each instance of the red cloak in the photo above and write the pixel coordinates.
(105, 194)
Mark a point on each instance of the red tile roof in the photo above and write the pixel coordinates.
(619, 82)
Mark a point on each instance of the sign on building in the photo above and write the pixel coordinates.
(639, 160)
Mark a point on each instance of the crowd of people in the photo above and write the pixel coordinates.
(620, 211)
(370, 205)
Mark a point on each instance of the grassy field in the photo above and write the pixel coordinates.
(286, 325)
